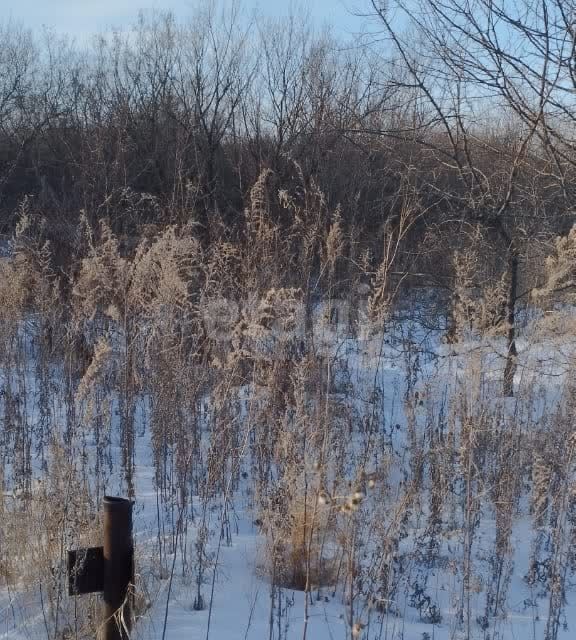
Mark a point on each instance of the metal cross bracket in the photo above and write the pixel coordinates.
(108, 569)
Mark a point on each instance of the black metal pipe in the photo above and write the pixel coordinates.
(118, 568)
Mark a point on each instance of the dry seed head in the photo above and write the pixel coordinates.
(560, 268)
(334, 241)
(541, 477)
(572, 440)
(324, 498)
(353, 504)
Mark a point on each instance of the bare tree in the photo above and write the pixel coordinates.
(18, 60)
(462, 69)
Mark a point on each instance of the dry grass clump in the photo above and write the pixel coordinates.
(156, 277)
(37, 528)
(561, 270)
(27, 280)
(479, 300)
(300, 551)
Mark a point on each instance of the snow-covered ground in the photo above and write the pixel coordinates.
(240, 602)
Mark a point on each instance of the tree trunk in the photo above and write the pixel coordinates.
(512, 353)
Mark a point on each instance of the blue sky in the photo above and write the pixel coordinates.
(81, 18)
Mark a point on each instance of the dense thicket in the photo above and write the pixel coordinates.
(173, 122)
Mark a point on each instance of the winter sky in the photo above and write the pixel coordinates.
(82, 18)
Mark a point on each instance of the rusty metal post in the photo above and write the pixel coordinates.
(118, 568)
